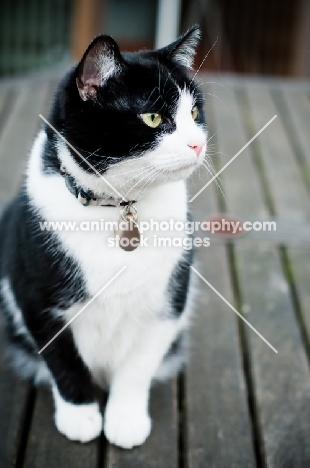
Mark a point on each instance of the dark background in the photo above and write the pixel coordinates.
(270, 37)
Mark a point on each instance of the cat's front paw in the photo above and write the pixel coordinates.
(79, 422)
(126, 428)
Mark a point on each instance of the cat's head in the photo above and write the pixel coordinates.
(136, 117)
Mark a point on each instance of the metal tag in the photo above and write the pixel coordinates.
(128, 232)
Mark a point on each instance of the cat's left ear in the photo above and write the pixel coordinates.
(101, 60)
(182, 51)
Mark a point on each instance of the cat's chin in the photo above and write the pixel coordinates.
(178, 173)
(172, 175)
(136, 189)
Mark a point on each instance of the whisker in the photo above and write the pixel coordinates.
(143, 173)
(149, 180)
(212, 82)
(154, 89)
(146, 175)
(218, 182)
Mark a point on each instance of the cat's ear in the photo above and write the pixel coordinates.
(101, 60)
(182, 51)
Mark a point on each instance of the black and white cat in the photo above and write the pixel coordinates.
(137, 119)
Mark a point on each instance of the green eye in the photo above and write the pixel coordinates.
(195, 112)
(152, 120)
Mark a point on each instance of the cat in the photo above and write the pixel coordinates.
(130, 125)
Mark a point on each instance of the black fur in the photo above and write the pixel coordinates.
(176, 346)
(180, 279)
(36, 265)
(179, 283)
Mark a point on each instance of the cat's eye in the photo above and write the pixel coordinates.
(195, 112)
(151, 119)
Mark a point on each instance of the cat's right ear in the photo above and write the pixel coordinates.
(101, 60)
(182, 51)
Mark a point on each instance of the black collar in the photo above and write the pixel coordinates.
(87, 197)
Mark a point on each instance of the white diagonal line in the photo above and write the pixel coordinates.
(83, 308)
(232, 308)
(233, 158)
(82, 157)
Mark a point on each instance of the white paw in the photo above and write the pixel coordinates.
(125, 427)
(79, 422)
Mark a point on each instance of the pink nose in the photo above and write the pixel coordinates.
(196, 147)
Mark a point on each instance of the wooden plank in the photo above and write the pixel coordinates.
(293, 185)
(287, 232)
(298, 113)
(47, 447)
(282, 171)
(296, 106)
(219, 432)
(18, 134)
(7, 98)
(239, 81)
(281, 382)
(241, 173)
(51, 87)
(299, 259)
(160, 450)
(219, 428)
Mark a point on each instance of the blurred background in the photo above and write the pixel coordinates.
(270, 37)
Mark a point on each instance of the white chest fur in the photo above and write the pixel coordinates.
(109, 327)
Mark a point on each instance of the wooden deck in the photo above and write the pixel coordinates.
(238, 404)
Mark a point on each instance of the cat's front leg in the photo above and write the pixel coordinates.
(127, 422)
(81, 422)
(77, 414)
